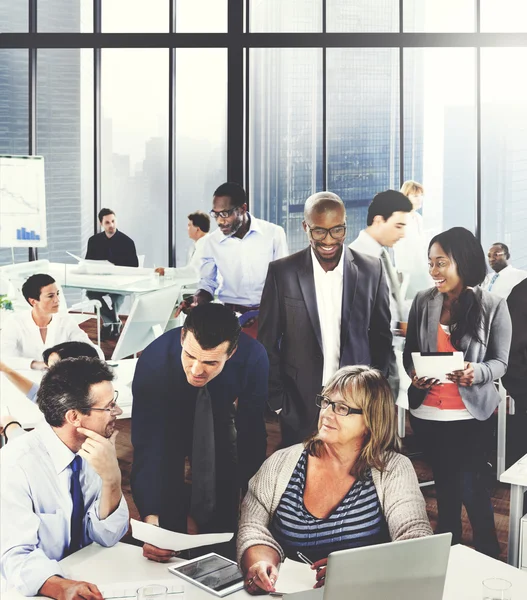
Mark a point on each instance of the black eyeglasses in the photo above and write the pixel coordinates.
(319, 233)
(112, 407)
(222, 213)
(339, 408)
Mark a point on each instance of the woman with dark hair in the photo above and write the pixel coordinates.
(452, 419)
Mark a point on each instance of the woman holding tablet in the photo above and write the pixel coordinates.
(452, 420)
(345, 487)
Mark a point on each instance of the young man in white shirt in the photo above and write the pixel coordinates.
(61, 483)
(26, 334)
(239, 251)
(504, 276)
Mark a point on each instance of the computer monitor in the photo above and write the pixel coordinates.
(147, 320)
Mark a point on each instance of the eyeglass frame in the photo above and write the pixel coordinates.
(351, 411)
(327, 231)
(223, 214)
(109, 409)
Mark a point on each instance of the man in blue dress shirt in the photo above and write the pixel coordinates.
(199, 392)
(61, 483)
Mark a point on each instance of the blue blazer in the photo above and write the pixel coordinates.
(160, 430)
(489, 358)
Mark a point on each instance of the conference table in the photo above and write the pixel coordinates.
(125, 565)
(14, 402)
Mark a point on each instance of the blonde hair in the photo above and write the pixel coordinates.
(369, 390)
(412, 187)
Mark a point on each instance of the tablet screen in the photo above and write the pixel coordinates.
(215, 572)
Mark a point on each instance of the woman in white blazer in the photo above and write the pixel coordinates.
(28, 333)
(452, 419)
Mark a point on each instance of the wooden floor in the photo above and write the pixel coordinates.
(500, 492)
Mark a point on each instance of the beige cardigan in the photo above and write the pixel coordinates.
(401, 500)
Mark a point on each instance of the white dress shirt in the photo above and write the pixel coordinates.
(22, 343)
(328, 288)
(195, 255)
(506, 279)
(36, 509)
(242, 263)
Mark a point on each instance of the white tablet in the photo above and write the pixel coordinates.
(436, 365)
(212, 572)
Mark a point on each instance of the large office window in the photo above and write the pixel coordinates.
(288, 16)
(135, 16)
(444, 16)
(134, 146)
(285, 135)
(504, 151)
(14, 16)
(201, 135)
(362, 16)
(362, 127)
(201, 16)
(440, 133)
(64, 16)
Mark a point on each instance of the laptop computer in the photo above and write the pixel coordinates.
(405, 570)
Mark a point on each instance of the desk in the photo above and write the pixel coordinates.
(28, 414)
(517, 477)
(124, 563)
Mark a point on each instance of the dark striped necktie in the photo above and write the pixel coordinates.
(77, 515)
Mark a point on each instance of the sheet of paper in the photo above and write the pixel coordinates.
(129, 589)
(437, 366)
(170, 540)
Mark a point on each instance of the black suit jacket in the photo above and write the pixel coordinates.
(289, 328)
(515, 380)
(162, 421)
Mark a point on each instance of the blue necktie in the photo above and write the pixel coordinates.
(493, 281)
(77, 515)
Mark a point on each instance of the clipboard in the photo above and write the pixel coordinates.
(436, 365)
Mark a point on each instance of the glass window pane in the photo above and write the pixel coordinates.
(504, 15)
(201, 135)
(14, 125)
(446, 16)
(201, 16)
(65, 139)
(362, 127)
(285, 136)
(504, 151)
(288, 16)
(64, 16)
(362, 15)
(134, 152)
(440, 133)
(135, 16)
(14, 16)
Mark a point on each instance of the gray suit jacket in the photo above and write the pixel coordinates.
(289, 328)
(488, 359)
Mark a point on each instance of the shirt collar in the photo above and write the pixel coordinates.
(371, 242)
(61, 456)
(254, 226)
(339, 269)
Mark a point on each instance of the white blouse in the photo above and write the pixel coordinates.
(21, 342)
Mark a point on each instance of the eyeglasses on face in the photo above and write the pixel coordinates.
(494, 254)
(339, 408)
(112, 407)
(319, 233)
(222, 213)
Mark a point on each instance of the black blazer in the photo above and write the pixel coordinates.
(162, 421)
(289, 328)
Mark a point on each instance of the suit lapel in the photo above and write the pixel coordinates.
(349, 287)
(306, 280)
(435, 304)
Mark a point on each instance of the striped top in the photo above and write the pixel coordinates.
(357, 520)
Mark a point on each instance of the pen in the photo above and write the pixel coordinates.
(306, 560)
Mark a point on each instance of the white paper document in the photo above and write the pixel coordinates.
(170, 540)
(129, 589)
(436, 365)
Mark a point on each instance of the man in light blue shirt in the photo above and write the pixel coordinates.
(240, 250)
(61, 483)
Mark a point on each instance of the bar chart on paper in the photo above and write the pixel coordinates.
(22, 202)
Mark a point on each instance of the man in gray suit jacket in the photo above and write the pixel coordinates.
(322, 308)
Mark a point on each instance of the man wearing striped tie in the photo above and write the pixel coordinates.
(503, 276)
(61, 483)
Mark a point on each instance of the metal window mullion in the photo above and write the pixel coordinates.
(97, 134)
(401, 97)
(324, 104)
(32, 96)
(172, 143)
(478, 126)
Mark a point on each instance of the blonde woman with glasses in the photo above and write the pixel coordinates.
(347, 486)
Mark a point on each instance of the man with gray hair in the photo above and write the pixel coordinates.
(61, 483)
(322, 308)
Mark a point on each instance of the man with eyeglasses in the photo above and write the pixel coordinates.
(322, 308)
(239, 251)
(61, 483)
(504, 276)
